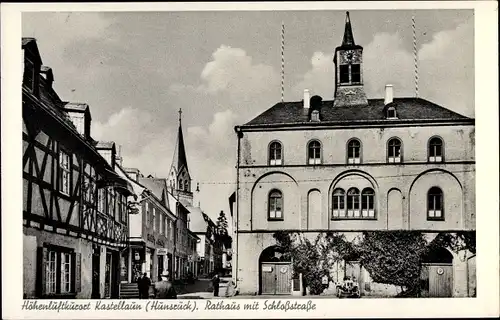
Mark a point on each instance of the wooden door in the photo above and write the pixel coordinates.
(283, 274)
(96, 274)
(107, 276)
(268, 278)
(440, 280)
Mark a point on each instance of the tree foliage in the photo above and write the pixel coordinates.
(222, 223)
(393, 257)
(221, 230)
(456, 241)
(313, 259)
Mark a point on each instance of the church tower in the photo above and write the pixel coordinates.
(348, 60)
(179, 179)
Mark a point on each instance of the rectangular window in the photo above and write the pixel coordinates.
(344, 74)
(65, 272)
(64, 172)
(367, 206)
(124, 210)
(148, 215)
(51, 273)
(355, 73)
(101, 202)
(435, 207)
(275, 210)
(60, 266)
(161, 223)
(111, 202)
(338, 206)
(154, 219)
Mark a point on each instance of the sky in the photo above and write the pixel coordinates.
(136, 69)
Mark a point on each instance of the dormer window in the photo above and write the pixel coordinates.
(315, 115)
(391, 113)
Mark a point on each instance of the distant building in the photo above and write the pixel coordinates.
(348, 165)
(75, 217)
(200, 224)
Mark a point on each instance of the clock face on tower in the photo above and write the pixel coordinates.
(348, 55)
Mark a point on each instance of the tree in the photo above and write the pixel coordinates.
(313, 259)
(222, 224)
(393, 257)
(221, 230)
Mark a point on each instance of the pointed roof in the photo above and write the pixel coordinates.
(348, 37)
(180, 159)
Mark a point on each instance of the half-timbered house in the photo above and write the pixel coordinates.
(75, 222)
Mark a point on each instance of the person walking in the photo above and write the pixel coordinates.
(144, 283)
(164, 289)
(215, 284)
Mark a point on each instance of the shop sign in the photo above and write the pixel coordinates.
(161, 251)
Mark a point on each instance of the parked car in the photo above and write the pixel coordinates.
(349, 288)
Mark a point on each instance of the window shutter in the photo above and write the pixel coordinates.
(78, 271)
(42, 257)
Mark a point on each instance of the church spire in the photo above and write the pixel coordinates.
(179, 177)
(348, 40)
(180, 159)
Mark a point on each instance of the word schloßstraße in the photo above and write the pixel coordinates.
(288, 305)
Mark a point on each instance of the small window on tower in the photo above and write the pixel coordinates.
(355, 73)
(344, 74)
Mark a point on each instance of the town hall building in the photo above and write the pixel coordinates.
(351, 164)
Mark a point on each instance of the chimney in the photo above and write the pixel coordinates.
(119, 158)
(307, 99)
(389, 94)
(307, 102)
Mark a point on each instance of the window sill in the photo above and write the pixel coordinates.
(434, 219)
(275, 219)
(354, 218)
(59, 296)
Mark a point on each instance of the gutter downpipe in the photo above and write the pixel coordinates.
(239, 134)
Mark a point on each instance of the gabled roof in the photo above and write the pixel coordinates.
(198, 223)
(408, 110)
(157, 186)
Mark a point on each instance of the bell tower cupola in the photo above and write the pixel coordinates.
(348, 60)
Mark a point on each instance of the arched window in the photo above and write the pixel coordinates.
(338, 203)
(368, 203)
(354, 151)
(353, 203)
(314, 152)
(391, 113)
(275, 154)
(275, 211)
(181, 185)
(186, 186)
(435, 204)
(394, 151)
(435, 150)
